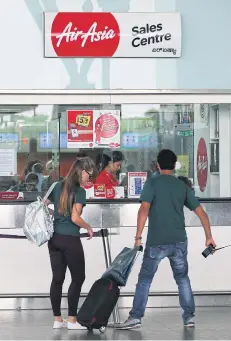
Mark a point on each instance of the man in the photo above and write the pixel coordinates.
(156, 171)
(162, 200)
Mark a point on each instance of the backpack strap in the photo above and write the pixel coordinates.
(49, 191)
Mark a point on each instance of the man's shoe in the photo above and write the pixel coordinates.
(190, 323)
(130, 323)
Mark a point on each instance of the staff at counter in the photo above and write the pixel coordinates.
(109, 167)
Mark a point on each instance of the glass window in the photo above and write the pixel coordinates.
(35, 151)
(29, 150)
(148, 128)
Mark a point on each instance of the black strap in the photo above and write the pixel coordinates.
(12, 236)
(223, 247)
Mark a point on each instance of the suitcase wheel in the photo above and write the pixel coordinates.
(102, 330)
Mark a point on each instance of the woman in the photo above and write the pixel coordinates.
(109, 167)
(65, 247)
(98, 131)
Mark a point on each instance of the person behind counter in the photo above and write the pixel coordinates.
(109, 167)
(65, 247)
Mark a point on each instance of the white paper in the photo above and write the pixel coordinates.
(8, 161)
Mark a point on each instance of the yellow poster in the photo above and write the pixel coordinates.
(184, 169)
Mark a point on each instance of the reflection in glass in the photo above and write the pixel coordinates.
(38, 136)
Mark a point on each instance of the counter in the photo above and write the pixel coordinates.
(25, 268)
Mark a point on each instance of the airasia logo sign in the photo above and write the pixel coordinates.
(202, 165)
(92, 35)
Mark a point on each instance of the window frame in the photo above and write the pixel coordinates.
(113, 97)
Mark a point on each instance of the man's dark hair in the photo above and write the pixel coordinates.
(80, 155)
(166, 159)
(131, 168)
(37, 168)
(32, 177)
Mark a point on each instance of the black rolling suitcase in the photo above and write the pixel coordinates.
(99, 304)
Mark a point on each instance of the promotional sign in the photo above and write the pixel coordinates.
(136, 182)
(202, 164)
(11, 195)
(80, 129)
(98, 191)
(107, 128)
(121, 35)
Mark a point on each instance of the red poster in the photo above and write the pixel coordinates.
(80, 129)
(99, 191)
(11, 196)
(202, 164)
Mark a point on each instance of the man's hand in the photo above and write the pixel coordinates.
(138, 242)
(141, 220)
(210, 241)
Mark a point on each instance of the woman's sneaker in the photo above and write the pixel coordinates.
(190, 323)
(75, 326)
(60, 325)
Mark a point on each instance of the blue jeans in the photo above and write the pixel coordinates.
(177, 255)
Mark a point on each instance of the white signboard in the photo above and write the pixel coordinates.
(136, 181)
(8, 161)
(121, 35)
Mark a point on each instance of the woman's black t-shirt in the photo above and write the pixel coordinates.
(64, 224)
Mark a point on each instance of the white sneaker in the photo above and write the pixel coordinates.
(75, 326)
(59, 325)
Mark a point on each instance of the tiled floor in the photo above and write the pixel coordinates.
(158, 324)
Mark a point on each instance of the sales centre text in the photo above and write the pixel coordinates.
(157, 38)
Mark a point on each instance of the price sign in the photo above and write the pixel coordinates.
(83, 120)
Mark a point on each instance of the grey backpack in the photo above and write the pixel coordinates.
(38, 224)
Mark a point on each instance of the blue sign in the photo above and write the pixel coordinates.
(45, 140)
(138, 140)
(138, 186)
(9, 138)
(63, 140)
